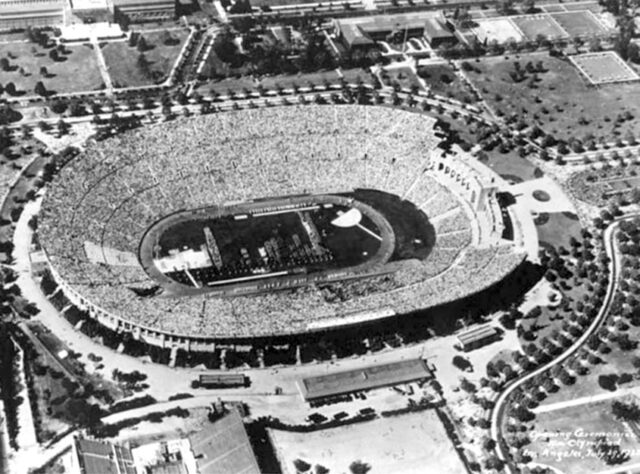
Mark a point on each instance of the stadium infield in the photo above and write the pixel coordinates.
(265, 245)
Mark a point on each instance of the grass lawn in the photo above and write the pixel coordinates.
(563, 439)
(617, 361)
(512, 167)
(560, 98)
(551, 319)
(122, 59)
(579, 23)
(284, 80)
(77, 72)
(558, 229)
(444, 81)
(403, 76)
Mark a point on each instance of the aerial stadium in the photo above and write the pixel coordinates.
(275, 221)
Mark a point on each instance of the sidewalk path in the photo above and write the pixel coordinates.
(102, 65)
(586, 400)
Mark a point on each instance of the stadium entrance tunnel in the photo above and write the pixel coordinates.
(286, 242)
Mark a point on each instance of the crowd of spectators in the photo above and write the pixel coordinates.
(117, 188)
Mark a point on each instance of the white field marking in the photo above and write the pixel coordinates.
(254, 277)
(284, 211)
(193, 280)
(370, 232)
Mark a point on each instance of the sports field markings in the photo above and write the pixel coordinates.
(370, 232)
(615, 71)
(248, 278)
(557, 23)
(193, 280)
(283, 211)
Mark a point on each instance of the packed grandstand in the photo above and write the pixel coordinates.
(103, 202)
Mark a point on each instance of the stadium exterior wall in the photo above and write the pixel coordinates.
(193, 343)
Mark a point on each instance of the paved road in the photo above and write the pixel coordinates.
(501, 403)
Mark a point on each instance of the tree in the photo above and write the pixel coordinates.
(167, 38)
(59, 106)
(142, 44)
(467, 386)
(10, 88)
(133, 39)
(488, 444)
(461, 363)
(625, 343)
(63, 127)
(5, 65)
(610, 453)
(608, 382)
(484, 424)
(225, 47)
(142, 64)
(494, 462)
(359, 467)
(301, 465)
(625, 411)
(319, 469)
(40, 89)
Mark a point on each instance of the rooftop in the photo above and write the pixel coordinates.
(477, 334)
(30, 8)
(390, 22)
(97, 457)
(224, 448)
(142, 3)
(433, 28)
(356, 31)
(364, 379)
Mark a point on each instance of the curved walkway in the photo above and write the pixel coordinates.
(500, 406)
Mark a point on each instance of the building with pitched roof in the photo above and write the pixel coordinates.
(19, 14)
(363, 32)
(224, 447)
(477, 337)
(367, 378)
(139, 11)
(99, 457)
